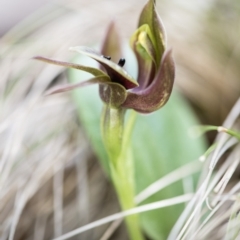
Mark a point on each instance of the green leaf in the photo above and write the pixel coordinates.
(160, 144)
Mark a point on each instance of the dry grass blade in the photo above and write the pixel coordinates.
(219, 185)
(143, 208)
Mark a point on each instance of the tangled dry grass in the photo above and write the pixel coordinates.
(50, 181)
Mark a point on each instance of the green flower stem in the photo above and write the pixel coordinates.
(112, 131)
(117, 143)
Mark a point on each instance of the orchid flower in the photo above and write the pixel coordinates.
(117, 88)
(119, 91)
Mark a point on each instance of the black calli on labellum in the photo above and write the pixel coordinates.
(156, 68)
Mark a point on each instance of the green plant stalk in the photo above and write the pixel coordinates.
(117, 143)
(112, 123)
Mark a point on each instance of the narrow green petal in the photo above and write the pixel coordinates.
(145, 38)
(142, 44)
(115, 72)
(94, 71)
(157, 94)
(68, 87)
(150, 17)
